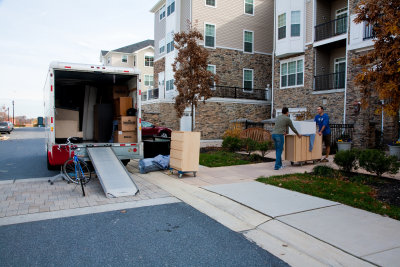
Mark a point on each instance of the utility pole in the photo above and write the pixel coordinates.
(13, 111)
(8, 111)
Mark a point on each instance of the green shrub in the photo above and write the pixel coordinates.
(232, 144)
(375, 161)
(325, 171)
(346, 159)
(249, 145)
(264, 147)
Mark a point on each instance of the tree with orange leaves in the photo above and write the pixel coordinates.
(380, 73)
(192, 79)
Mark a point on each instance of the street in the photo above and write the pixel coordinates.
(23, 155)
(162, 235)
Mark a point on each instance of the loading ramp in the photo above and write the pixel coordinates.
(113, 176)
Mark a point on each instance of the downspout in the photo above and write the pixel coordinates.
(273, 66)
(345, 74)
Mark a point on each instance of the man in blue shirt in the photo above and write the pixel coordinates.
(322, 120)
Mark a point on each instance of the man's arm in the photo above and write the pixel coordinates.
(293, 129)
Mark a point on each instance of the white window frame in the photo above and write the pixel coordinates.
(169, 3)
(252, 81)
(215, 72)
(287, 61)
(161, 44)
(170, 37)
(205, 3)
(162, 10)
(252, 43)
(282, 26)
(168, 84)
(215, 35)
(145, 60)
(291, 23)
(244, 8)
(108, 60)
(339, 12)
(122, 58)
(134, 60)
(150, 79)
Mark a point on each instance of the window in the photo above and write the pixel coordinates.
(292, 73)
(170, 7)
(341, 21)
(210, 35)
(212, 69)
(210, 3)
(170, 85)
(161, 45)
(249, 7)
(282, 26)
(148, 80)
(108, 60)
(247, 79)
(295, 27)
(170, 42)
(340, 73)
(248, 41)
(369, 32)
(149, 61)
(162, 12)
(124, 58)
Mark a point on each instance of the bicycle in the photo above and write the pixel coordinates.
(75, 169)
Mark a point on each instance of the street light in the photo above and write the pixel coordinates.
(8, 111)
(13, 112)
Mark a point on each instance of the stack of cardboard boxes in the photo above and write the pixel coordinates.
(127, 125)
(67, 123)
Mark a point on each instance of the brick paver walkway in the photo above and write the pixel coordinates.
(37, 195)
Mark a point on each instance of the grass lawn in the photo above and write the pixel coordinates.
(356, 191)
(222, 158)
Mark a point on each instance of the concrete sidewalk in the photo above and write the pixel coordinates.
(300, 229)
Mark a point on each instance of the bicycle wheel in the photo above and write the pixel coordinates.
(74, 176)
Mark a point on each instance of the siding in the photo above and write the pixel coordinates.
(336, 53)
(159, 33)
(309, 21)
(230, 22)
(338, 4)
(323, 13)
(143, 69)
(185, 14)
(116, 60)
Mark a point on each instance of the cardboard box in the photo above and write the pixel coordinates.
(67, 115)
(127, 123)
(120, 91)
(125, 137)
(121, 105)
(67, 128)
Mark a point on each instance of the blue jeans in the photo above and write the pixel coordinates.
(279, 140)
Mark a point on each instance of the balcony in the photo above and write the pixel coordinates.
(241, 93)
(150, 94)
(331, 29)
(330, 81)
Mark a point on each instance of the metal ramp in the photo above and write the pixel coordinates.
(113, 176)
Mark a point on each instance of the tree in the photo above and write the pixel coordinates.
(380, 73)
(192, 79)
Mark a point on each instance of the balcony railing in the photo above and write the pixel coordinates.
(241, 93)
(150, 94)
(331, 29)
(368, 32)
(330, 81)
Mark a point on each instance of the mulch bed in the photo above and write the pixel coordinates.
(254, 158)
(388, 190)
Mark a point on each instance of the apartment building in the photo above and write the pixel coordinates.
(239, 37)
(139, 55)
(315, 42)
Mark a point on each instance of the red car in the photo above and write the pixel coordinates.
(150, 130)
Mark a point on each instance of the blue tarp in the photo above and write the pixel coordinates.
(153, 164)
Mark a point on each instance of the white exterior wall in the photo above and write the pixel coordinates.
(356, 35)
(290, 45)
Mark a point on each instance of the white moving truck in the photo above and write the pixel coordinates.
(82, 101)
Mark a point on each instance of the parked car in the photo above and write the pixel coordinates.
(150, 130)
(6, 126)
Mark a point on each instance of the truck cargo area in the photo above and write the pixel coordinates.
(88, 105)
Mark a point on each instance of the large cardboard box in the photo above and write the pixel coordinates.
(127, 123)
(125, 137)
(120, 91)
(121, 105)
(67, 114)
(67, 128)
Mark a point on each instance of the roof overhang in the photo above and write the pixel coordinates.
(157, 6)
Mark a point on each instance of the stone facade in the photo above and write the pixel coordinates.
(230, 65)
(211, 119)
(304, 96)
(159, 66)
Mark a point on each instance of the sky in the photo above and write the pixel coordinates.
(35, 33)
